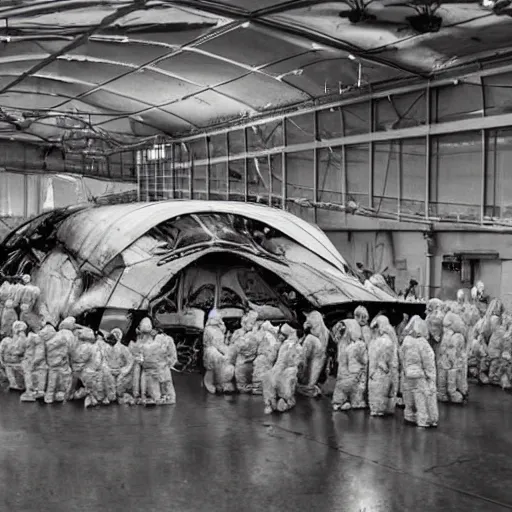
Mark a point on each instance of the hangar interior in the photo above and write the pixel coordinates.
(282, 103)
(387, 124)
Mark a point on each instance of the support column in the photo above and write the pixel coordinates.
(427, 156)
(227, 166)
(315, 165)
(429, 237)
(370, 158)
(283, 161)
(207, 145)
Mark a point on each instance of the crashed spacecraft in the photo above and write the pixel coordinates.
(111, 265)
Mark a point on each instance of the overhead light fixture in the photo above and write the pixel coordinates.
(246, 24)
(496, 6)
(351, 57)
(5, 39)
(109, 38)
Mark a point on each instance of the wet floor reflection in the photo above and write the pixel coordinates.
(222, 453)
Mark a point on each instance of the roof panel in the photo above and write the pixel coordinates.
(200, 68)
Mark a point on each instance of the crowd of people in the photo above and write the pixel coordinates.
(415, 365)
(71, 361)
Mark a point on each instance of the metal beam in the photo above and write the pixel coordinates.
(315, 164)
(466, 125)
(246, 168)
(428, 112)
(371, 154)
(283, 168)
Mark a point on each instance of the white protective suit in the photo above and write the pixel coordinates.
(314, 349)
(268, 348)
(135, 347)
(9, 316)
(435, 315)
(119, 361)
(452, 382)
(59, 369)
(31, 318)
(478, 357)
(280, 383)
(168, 357)
(383, 368)
(498, 347)
(218, 358)
(362, 317)
(245, 342)
(351, 379)
(29, 293)
(12, 350)
(35, 368)
(419, 376)
(88, 363)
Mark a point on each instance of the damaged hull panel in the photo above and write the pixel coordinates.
(124, 257)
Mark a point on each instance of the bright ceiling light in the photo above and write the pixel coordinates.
(494, 5)
(245, 25)
(351, 57)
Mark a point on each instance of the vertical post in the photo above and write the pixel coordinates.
(370, 158)
(283, 167)
(400, 173)
(121, 165)
(246, 167)
(484, 176)
(25, 195)
(138, 162)
(269, 165)
(427, 154)
(207, 144)
(227, 167)
(158, 167)
(315, 165)
(190, 173)
(171, 170)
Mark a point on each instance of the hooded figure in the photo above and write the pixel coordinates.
(88, 363)
(493, 318)
(246, 346)
(498, 347)
(31, 318)
(479, 297)
(59, 370)
(12, 351)
(135, 347)
(268, 348)
(382, 368)
(506, 358)
(168, 358)
(419, 376)
(315, 353)
(35, 369)
(452, 383)
(152, 359)
(218, 358)
(9, 316)
(29, 294)
(434, 319)
(5, 292)
(119, 361)
(350, 389)
(491, 325)
(400, 334)
(280, 383)
(478, 357)
(362, 317)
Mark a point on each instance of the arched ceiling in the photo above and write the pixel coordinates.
(136, 69)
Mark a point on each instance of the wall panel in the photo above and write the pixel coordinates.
(300, 182)
(357, 163)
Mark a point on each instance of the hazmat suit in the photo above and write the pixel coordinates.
(12, 351)
(218, 358)
(88, 363)
(280, 383)
(478, 357)
(435, 315)
(168, 357)
(35, 368)
(498, 345)
(452, 384)
(246, 347)
(419, 376)
(29, 293)
(362, 317)
(59, 370)
(119, 361)
(9, 316)
(314, 348)
(351, 379)
(383, 368)
(135, 347)
(268, 348)
(33, 320)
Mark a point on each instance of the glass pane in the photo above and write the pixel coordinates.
(456, 176)
(237, 180)
(199, 173)
(219, 181)
(218, 145)
(498, 176)
(276, 163)
(182, 183)
(498, 94)
(357, 173)
(386, 158)
(12, 195)
(330, 172)
(300, 183)
(259, 180)
(356, 118)
(400, 111)
(300, 129)
(456, 102)
(33, 194)
(236, 142)
(265, 136)
(197, 148)
(413, 176)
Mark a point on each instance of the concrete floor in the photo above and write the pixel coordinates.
(214, 453)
